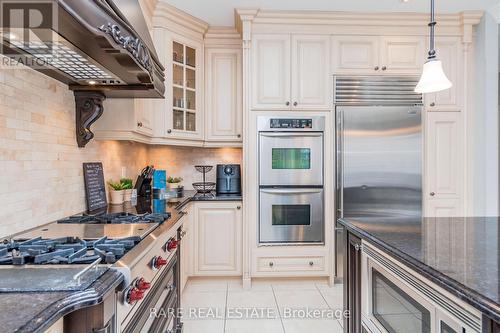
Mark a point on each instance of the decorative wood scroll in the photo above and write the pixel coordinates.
(88, 110)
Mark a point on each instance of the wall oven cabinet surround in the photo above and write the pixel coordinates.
(291, 180)
(291, 72)
(394, 299)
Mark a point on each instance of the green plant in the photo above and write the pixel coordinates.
(126, 183)
(174, 179)
(117, 186)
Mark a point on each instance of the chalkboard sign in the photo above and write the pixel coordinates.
(95, 188)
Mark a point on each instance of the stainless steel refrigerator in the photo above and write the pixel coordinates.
(379, 151)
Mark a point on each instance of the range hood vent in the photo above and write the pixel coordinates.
(99, 48)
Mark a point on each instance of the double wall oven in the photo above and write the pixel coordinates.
(291, 197)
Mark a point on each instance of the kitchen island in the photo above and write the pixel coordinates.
(450, 265)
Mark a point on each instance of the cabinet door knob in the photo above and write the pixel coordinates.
(432, 194)
(287, 103)
(433, 104)
(169, 131)
(295, 103)
(239, 135)
(238, 207)
(139, 124)
(376, 68)
(271, 264)
(311, 263)
(384, 68)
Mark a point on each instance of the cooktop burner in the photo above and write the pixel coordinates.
(116, 218)
(65, 250)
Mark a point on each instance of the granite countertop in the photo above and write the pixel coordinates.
(192, 196)
(36, 311)
(461, 255)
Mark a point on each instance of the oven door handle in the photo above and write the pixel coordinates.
(292, 191)
(289, 134)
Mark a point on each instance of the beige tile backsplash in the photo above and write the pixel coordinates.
(41, 176)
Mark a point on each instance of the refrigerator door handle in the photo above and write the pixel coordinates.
(339, 161)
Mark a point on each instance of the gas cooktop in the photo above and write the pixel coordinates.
(116, 218)
(64, 250)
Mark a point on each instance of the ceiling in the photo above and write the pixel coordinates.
(221, 12)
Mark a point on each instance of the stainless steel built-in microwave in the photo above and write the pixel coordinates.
(394, 300)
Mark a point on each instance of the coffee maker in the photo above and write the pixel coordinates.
(228, 179)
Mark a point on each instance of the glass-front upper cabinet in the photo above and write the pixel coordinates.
(184, 107)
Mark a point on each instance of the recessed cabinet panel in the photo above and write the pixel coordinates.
(271, 72)
(402, 54)
(443, 208)
(444, 146)
(359, 54)
(224, 102)
(449, 53)
(310, 72)
(218, 238)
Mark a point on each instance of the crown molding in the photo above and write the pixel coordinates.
(167, 16)
(358, 18)
(222, 36)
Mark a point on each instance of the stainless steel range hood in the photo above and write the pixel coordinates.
(99, 48)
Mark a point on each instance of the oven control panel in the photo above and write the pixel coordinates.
(290, 123)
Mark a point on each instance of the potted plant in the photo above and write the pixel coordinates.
(127, 188)
(174, 182)
(116, 194)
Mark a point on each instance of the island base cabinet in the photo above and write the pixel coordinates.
(217, 239)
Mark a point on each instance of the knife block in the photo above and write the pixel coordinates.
(143, 186)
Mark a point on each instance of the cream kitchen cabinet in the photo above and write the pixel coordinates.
(378, 55)
(183, 104)
(223, 88)
(355, 54)
(291, 72)
(136, 119)
(448, 51)
(186, 246)
(444, 169)
(217, 238)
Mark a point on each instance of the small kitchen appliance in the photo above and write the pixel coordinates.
(228, 179)
(291, 195)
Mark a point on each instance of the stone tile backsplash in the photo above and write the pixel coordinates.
(41, 176)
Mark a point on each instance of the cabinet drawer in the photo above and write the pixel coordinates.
(290, 264)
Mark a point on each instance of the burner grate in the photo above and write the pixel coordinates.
(66, 250)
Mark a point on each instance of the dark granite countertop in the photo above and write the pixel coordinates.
(192, 196)
(36, 311)
(461, 255)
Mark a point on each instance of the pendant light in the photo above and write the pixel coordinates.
(433, 78)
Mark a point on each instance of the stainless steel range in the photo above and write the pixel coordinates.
(77, 250)
(291, 180)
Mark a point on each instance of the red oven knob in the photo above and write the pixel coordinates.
(134, 295)
(142, 284)
(158, 262)
(172, 244)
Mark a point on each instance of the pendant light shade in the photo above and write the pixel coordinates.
(433, 78)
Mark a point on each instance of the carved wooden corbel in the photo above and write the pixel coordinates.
(88, 109)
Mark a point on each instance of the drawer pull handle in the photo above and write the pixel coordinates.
(271, 264)
(432, 194)
(238, 207)
(311, 263)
